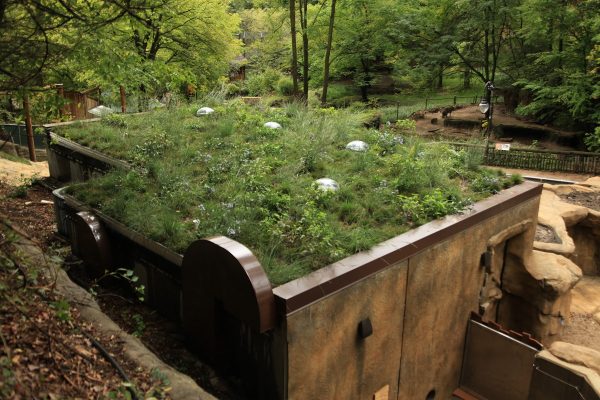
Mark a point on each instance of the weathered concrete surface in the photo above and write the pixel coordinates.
(540, 293)
(593, 181)
(324, 346)
(578, 355)
(558, 215)
(443, 288)
(183, 387)
(419, 309)
(586, 236)
(577, 227)
(556, 273)
(586, 296)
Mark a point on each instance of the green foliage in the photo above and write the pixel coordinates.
(62, 309)
(228, 175)
(261, 83)
(116, 120)
(592, 140)
(139, 324)
(123, 274)
(20, 191)
(285, 86)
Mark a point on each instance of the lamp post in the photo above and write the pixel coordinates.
(487, 108)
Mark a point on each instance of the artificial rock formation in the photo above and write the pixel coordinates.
(556, 266)
(578, 355)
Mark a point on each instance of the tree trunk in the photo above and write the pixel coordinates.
(440, 82)
(467, 78)
(364, 85)
(142, 98)
(328, 54)
(294, 48)
(305, 62)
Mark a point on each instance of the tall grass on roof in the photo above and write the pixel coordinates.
(226, 174)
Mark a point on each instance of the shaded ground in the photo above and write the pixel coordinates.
(585, 199)
(160, 335)
(15, 173)
(584, 327)
(47, 351)
(31, 209)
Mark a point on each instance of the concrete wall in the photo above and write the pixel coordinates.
(419, 307)
(326, 357)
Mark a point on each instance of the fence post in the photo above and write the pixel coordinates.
(426, 100)
(29, 127)
(454, 100)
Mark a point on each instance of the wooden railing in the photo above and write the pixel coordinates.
(540, 160)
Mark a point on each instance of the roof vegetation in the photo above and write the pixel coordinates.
(227, 174)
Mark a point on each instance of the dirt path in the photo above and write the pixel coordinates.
(584, 327)
(548, 174)
(14, 173)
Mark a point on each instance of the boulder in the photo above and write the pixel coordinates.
(578, 355)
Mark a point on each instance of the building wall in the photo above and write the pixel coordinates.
(419, 308)
(327, 358)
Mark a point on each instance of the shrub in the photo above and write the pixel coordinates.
(263, 82)
(116, 120)
(285, 86)
(232, 89)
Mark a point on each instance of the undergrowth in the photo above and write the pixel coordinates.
(225, 174)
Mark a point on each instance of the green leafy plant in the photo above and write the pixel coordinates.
(123, 274)
(139, 325)
(20, 191)
(62, 309)
(592, 140)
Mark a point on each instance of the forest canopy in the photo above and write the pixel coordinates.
(543, 54)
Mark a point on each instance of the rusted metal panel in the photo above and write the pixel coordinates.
(91, 243)
(497, 364)
(553, 382)
(228, 307)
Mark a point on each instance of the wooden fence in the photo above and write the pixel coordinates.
(540, 160)
(430, 102)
